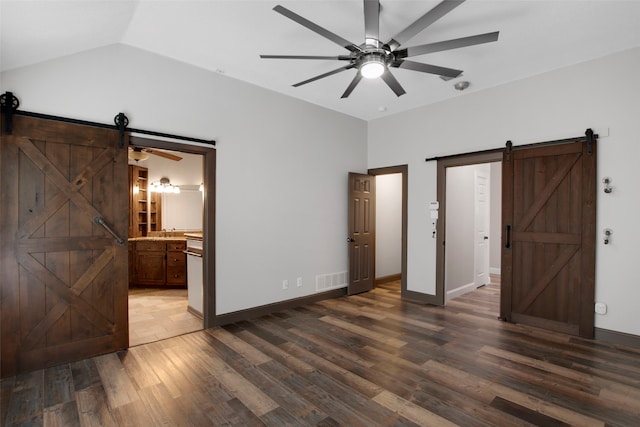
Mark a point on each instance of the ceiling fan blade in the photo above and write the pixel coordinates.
(336, 58)
(427, 68)
(352, 85)
(448, 44)
(423, 22)
(316, 28)
(371, 20)
(391, 81)
(321, 76)
(163, 154)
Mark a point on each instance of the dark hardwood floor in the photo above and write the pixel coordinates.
(363, 360)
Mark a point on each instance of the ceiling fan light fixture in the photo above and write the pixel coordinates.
(138, 155)
(373, 66)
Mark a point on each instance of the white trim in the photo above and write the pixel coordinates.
(461, 290)
(494, 270)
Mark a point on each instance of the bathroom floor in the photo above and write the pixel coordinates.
(157, 314)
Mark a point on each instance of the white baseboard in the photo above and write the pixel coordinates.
(494, 270)
(461, 290)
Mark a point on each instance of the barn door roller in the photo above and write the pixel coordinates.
(8, 105)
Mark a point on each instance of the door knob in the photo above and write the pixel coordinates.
(486, 237)
(350, 240)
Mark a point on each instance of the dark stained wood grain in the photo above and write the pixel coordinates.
(62, 277)
(548, 201)
(364, 360)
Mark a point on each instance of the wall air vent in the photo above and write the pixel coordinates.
(331, 281)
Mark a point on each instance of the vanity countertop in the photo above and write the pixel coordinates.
(157, 239)
(193, 236)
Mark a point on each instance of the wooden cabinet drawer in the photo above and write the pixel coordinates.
(150, 246)
(176, 259)
(176, 246)
(176, 275)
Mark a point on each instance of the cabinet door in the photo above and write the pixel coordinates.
(150, 268)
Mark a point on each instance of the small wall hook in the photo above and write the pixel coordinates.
(607, 235)
(607, 184)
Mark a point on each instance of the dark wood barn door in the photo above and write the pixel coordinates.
(63, 277)
(548, 254)
(362, 236)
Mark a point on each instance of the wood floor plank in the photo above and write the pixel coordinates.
(93, 408)
(140, 374)
(298, 407)
(241, 347)
(61, 415)
(238, 386)
(58, 383)
(491, 390)
(7, 386)
(359, 330)
(411, 411)
(363, 360)
(26, 402)
(85, 374)
(117, 385)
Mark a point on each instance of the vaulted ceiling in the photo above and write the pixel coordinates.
(227, 37)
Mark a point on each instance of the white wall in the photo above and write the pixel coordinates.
(282, 163)
(460, 221)
(388, 224)
(602, 94)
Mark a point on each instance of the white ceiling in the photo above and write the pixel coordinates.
(227, 37)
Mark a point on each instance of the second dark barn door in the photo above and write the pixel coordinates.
(548, 251)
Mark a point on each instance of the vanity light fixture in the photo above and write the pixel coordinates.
(164, 186)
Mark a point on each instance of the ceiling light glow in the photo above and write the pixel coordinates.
(373, 66)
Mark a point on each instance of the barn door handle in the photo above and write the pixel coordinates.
(99, 220)
(508, 243)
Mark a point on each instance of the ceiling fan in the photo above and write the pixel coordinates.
(140, 153)
(373, 58)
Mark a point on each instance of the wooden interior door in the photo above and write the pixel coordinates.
(548, 254)
(63, 277)
(362, 232)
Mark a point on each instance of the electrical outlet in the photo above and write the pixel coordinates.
(299, 282)
(601, 308)
(285, 284)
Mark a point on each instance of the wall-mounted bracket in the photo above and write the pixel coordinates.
(8, 104)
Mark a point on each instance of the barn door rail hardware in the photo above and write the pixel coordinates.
(590, 137)
(100, 221)
(9, 105)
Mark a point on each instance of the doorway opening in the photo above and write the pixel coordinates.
(167, 261)
(391, 225)
(472, 227)
(468, 229)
